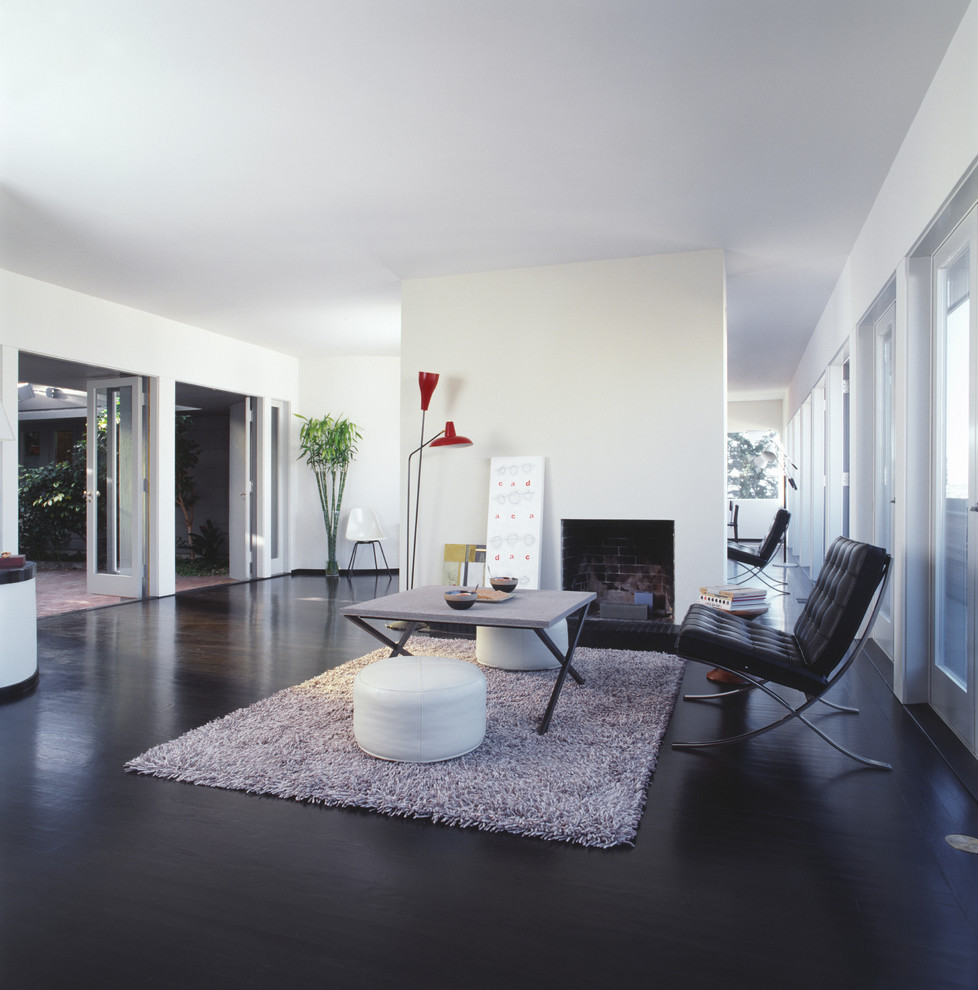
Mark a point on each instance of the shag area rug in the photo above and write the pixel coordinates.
(584, 782)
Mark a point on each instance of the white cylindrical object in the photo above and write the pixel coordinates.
(419, 709)
(18, 620)
(518, 649)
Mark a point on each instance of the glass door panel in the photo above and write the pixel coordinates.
(114, 488)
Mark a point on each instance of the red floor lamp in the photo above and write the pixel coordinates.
(427, 381)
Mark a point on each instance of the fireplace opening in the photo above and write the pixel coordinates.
(627, 563)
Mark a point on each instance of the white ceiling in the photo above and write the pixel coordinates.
(271, 169)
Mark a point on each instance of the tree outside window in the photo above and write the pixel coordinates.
(744, 478)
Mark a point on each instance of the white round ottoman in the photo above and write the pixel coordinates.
(419, 709)
(518, 649)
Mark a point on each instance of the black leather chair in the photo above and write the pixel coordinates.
(755, 559)
(811, 658)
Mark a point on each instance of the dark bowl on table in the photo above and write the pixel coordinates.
(504, 583)
(460, 599)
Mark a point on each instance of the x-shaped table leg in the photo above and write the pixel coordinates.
(397, 649)
(565, 666)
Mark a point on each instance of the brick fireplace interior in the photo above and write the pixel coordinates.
(627, 563)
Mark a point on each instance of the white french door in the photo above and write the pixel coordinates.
(884, 458)
(955, 523)
(115, 489)
(241, 491)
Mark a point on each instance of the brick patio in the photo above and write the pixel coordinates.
(64, 591)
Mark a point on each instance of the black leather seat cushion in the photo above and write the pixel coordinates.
(715, 636)
(759, 556)
(744, 553)
(804, 658)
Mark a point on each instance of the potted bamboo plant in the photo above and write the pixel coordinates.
(328, 446)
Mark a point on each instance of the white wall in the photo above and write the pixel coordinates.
(365, 390)
(61, 323)
(749, 416)
(613, 370)
(48, 319)
(939, 148)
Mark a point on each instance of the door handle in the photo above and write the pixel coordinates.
(973, 508)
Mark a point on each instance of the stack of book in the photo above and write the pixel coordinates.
(734, 597)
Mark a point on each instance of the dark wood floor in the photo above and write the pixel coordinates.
(777, 863)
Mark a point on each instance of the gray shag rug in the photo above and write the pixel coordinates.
(584, 782)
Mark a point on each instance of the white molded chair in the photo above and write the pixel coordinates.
(364, 527)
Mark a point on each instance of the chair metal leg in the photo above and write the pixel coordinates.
(792, 712)
(744, 688)
(373, 545)
(757, 574)
(387, 566)
(729, 693)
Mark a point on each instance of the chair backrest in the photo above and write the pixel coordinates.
(773, 539)
(364, 526)
(839, 602)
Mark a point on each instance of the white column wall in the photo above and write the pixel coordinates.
(8, 452)
(365, 390)
(161, 512)
(615, 371)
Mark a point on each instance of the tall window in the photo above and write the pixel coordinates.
(745, 479)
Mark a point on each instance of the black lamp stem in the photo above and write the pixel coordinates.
(417, 499)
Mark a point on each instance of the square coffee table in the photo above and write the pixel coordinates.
(524, 609)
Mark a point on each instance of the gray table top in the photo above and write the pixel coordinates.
(526, 609)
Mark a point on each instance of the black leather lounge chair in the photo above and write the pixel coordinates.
(811, 658)
(755, 559)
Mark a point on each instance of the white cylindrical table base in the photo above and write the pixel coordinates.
(518, 649)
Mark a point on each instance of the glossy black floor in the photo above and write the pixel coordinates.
(776, 863)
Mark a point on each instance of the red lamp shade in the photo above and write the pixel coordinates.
(450, 438)
(427, 380)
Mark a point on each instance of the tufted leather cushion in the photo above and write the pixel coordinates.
(804, 658)
(838, 603)
(715, 636)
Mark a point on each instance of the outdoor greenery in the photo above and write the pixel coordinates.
(53, 508)
(209, 553)
(329, 446)
(187, 456)
(744, 478)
